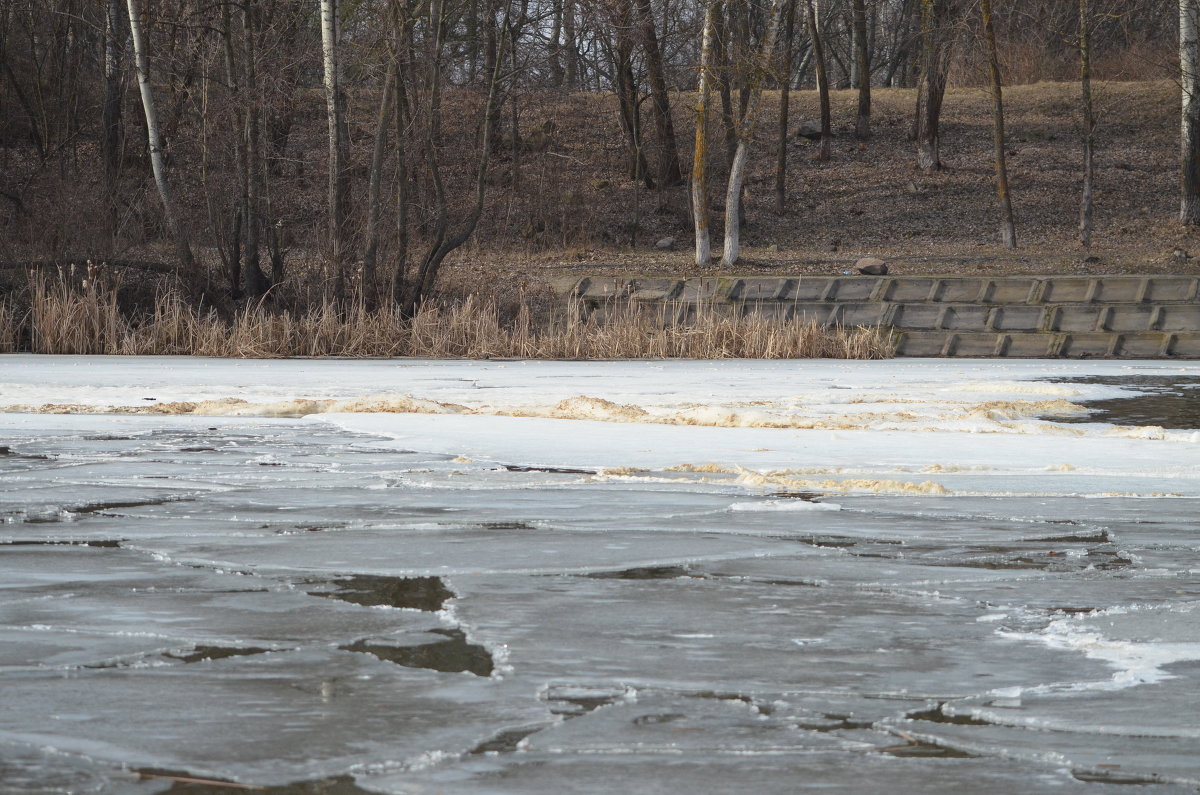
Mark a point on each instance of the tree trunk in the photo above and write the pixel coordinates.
(444, 242)
(254, 281)
(401, 269)
(700, 154)
(570, 45)
(338, 195)
(1189, 154)
(668, 173)
(183, 248)
(1008, 230)
(737, 173)
(554, 55)
(814, 31)
(932, 86)
(862, 53)
(725, 54)
(785, 90)
(114, 36)
(382, 122)
(1089, 123)
(627, 98)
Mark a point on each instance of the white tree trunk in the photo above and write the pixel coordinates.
(737, 170)
(699, 160)
(1189, 144)
(333, 112)
(142, 64)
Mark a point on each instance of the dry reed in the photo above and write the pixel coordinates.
(89, 321)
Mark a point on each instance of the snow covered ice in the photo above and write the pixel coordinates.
(531, 577)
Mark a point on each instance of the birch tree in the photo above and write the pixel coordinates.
(745, 131)
(1189, 138)
(183, 248)
(700, 154)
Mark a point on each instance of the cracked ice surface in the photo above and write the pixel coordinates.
(525, 577)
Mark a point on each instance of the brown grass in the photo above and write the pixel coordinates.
(89, 321)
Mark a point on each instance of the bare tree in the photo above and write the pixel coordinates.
(785, 91)
(737, 172)
(183, 248)
(932, 85)
(818, 45)
(1189, 138)
(668, 173)
(700, 153)
(445, 239)
(862, 55)
(335, 112)
(1089, 123)
(1008, 233)
(114, 36)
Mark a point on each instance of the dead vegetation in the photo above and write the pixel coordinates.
(63, 319)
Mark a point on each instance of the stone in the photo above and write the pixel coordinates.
(665, 244)
(809, 129)
(871, 266)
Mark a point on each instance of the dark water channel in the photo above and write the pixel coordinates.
(1172, 402)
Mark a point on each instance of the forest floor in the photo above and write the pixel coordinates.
(868, 199)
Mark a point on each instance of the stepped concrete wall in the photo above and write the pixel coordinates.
(1074, 317)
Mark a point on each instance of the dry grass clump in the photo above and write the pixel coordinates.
(10, 322)
(89, 321)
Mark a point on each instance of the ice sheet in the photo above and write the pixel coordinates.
(569, 576)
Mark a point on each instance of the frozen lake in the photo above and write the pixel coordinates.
(911, 576)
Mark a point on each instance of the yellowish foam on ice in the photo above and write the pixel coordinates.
(784, 479)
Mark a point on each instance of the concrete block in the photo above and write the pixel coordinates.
(867, 314)
(1141, 346)
(918, 316)
(807, 288)
(1018, 318)
(760, 289)
(966, 317)
(921, 343)
(1090, 345)
(1184, 346)
(604, 288)
(959, 290)
(854, 288)
(776, 310)
(1075, 318)
(978, 343)
(1179, 317)
(653, 289)
(811, 313)
(1069, 290)
(1010, 290)
(1122, 289)
(1129, 318)
(1172, 289)
(911, 288)
(1027, 345)
(702, 289)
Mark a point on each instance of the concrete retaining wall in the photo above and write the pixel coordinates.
(1137, 317)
